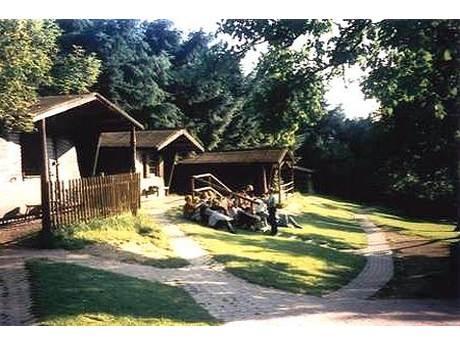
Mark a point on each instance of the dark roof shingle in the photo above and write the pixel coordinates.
(53, 105)
(146, 139)
(240, 156)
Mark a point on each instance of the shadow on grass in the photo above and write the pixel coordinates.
(69, 294)
(327, 241)
(64, 239)
(286, 277)
(338, 267)
(419, 276)
(334, 223)
(399, 216)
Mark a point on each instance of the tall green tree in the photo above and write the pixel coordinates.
(287, 87)
(208, 86)
(32, 64)
(27, 52)
(73, 73)
(133, 75)
(284, 97)
(413, 70)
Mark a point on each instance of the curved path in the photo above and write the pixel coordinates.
(238, 302)
(379, 266)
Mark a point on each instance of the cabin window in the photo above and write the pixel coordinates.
(150, 165)
(153, 165)
(30, 154)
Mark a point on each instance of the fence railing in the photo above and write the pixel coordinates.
(287, 188)
(212, 183)
(79, 200)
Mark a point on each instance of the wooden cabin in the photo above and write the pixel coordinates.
(236, 169)
(157, 152)
(68, 127)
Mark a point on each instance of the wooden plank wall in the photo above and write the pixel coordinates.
(80, 200)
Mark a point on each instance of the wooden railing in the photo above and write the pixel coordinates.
(218, 187)
(83, 199)
(287, 188)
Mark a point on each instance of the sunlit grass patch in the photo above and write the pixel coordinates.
(124, 237)
(414, 227)
(292, 264)
(71, 295)
(326, 221)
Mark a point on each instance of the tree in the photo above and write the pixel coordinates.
(413, 70)
(207, 88)
(284, 96)
(32, 64)
(74, 73)
(132, 74)
(27, 52)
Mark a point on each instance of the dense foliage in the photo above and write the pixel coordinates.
(30, 59)
(403, 155)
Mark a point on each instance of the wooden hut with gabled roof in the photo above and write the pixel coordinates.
(157, 152)
(61, 147)
(260, 167)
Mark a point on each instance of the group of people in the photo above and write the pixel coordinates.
(240, 210)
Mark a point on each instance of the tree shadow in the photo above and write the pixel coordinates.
(423, 277)
(63, 240)
(327, 241)
(323, 222)
(286, 277)
(64, 291)
(395, 215)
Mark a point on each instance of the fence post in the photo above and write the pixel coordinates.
(45, 187)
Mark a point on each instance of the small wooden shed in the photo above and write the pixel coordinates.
(259, 167)
(62, 146)
(157, 152)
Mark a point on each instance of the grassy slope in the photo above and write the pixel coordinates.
(326, 221)
(414, 227)
(66, 294)
(426, 273)
(136, 239)
(314, 265)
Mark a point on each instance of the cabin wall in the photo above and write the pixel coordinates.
(10, 158)
(17, 190)
(235, 176)
(63, 153)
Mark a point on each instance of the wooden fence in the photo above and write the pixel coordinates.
(83, 199)
(218, 187)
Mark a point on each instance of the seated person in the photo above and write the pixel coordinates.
(217, 205)
(218, 220)
(261, 210)
(286, 220)
(189, 207)
(248, 220)
(249, 190)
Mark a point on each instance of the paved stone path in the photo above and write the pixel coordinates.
(239, 303)
(379, 266)
(15, 302)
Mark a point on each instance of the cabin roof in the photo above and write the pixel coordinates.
(53, 105)
(268, 155)
(157, 139)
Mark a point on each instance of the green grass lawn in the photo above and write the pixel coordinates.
(70, 295)
(414, 227)
(423, 259)
(313, 263)
(325, 221)
(126, 237)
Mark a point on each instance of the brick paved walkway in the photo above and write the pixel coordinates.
(379, 266)
(240, 303)
(15, 302)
